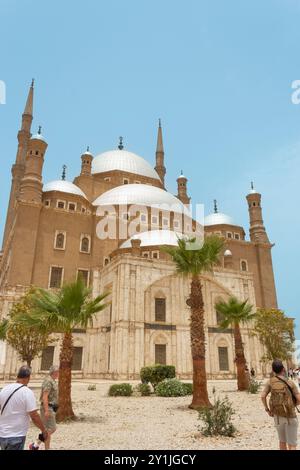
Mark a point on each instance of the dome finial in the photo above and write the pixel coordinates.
(40, 130)
(215, 206)
(88, 148)
(159, 122)
(252, 185)
(32, 83)
(181, 172)
(120, 146)
(63, 175)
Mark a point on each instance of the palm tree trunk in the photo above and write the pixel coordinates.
(242, 376)
(65, 410)
(200, 395)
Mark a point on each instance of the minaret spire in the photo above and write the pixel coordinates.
(160, 154)
(29, 103)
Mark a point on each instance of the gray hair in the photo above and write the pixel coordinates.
(24, 372)
(53, 369)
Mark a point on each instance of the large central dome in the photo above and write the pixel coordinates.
(123, 161)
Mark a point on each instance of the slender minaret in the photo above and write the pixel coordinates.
(257, 230)
(31, 183)
(160, 167)
(18, 167)
(182, 189)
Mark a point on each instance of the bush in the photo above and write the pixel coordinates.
(171, 388)
(144, 390)
(92, 387)
(188, 388)
(217, 420)
(254, 386)
(120, 390)
(156, 374)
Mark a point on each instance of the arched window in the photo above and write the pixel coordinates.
(85, 245)
(60, 240)
(244, 265)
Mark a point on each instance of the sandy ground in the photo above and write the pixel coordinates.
(156, 423)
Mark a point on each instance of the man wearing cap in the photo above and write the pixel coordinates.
(18, 405)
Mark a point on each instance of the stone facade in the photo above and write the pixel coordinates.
(51, 235)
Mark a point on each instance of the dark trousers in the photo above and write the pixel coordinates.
(12, 443)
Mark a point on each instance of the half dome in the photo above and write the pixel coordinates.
(141, 194)
(154, 238)
(123, 160)
(64, 187)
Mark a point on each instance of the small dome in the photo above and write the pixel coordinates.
(63, 187)
(217, 218)
(142, 194)
(38, 137)
(227, 253)
(155, 237)
(123, 161)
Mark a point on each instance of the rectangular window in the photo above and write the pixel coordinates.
(77, 358)
(47, 358)
(72, 206)
(61, 204)
(161, 354)
(56, 275)
(237, 236)
(160, 309)
(125, 181)
(107, 179)
(83, 209)
(154, 220)
(143, 218)
(229, 235)
(223, 358)
(84, 274)
(155, 254)
(47, 203)
(176, 223)
(165, 222)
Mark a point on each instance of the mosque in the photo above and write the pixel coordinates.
(107, 226)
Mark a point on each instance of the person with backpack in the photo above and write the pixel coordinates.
(18, 405)
(284, 398)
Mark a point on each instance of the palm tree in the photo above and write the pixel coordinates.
(192, 262)
(60, 312)
(235, 312)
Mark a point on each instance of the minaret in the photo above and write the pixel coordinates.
(18, 167)
(31, 184)
(182, 189)
(86, 162)
(257, 230)
(160, 168)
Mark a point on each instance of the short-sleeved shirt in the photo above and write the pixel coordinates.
(14, 421)
(292, 384)
(50, 385)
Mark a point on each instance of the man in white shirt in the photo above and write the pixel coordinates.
(18, 405)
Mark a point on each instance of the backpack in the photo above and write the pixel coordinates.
(281, 401)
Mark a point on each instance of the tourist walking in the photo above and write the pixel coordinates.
(284, 398)
(18, 405)
(49, 402)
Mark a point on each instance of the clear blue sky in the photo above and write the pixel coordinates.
(217, 73)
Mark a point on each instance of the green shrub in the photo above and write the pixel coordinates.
(171, 388)
(254, 386)
(92, 387)
(217, 420)
(188, 388)
(120, 390)
(156, 374)
(144, 389)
